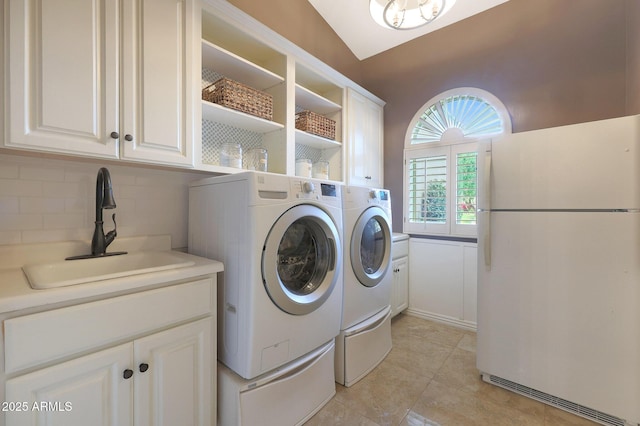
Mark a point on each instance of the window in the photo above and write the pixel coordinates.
(441, 183)
(442, 190)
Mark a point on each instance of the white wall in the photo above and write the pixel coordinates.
(44, 200)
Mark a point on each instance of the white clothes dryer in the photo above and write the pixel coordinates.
(280, 239)
(365, 336)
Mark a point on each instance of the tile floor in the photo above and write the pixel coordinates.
(429, 378)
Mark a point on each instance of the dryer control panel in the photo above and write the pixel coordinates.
(380, 197)
(317, 190)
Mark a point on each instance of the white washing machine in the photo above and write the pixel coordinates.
(280, 297)
(365, 336)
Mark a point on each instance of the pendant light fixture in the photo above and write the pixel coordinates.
(407, 14)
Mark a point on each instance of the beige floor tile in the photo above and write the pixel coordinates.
(425, 358)
(503, 397)
(452, 406)
(468, 342)
(336, 414)
(384, 395)
(459, 371)
(430, 379)
(416, 329)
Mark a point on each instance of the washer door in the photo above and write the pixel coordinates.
(301, 259)
(371, 246)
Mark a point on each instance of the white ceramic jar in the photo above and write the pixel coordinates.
(303, 167)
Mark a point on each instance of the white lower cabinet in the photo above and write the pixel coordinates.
(400, 296)
(162, 379)
(175, 389)
(400, 270)
(89, 390)
(139, 359)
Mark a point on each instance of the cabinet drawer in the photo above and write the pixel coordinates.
(400, 249)
(34, 339)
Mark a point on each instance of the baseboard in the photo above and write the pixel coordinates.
(467, 325)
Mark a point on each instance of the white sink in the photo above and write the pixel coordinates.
(72, 272)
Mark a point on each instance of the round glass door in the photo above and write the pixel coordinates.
(300, 259)
(371, 247)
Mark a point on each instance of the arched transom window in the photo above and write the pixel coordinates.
(441, 157)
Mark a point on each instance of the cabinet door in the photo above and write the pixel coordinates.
(400, 268)
(90, 390)
(365, 139)
(174, 384)
(63, 77)
(159, 46)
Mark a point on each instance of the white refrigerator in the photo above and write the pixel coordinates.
(559, 267)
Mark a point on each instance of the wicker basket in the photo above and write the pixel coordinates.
(234, 95)
(317, 124)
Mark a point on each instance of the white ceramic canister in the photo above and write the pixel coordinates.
(320, 169)
(231, 155)
(303, 167)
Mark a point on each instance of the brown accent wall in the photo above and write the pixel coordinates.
(551, 62)
(300, 23)
(633, 57)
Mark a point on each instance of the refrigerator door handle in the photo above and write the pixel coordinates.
(486, 233)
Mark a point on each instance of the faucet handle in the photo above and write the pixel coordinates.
(111, 235)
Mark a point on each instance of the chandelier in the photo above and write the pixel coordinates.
(407, 14)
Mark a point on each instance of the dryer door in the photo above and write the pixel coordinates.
(371, 246)
(301, 259)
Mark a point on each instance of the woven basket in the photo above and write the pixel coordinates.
(317, 124)
(234, 95)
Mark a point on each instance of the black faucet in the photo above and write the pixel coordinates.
(104, 200)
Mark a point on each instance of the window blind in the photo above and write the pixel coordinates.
(427, 189)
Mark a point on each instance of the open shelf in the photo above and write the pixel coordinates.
(220, 114)
(309, 100)
(313, 141)
(229, 64)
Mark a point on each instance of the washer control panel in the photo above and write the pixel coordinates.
(316, 190)
(379, 197)
(308, 187)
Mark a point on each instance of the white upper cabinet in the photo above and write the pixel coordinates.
(104, 78)
(63, 76)
(160, 64)
(365, 140)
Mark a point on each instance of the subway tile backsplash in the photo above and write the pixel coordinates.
(46, 200)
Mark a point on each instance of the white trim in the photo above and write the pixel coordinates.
(443, 319)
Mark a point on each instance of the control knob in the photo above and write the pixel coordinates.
(373, 194)
(308, 187)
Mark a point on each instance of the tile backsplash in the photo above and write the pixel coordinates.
(45, 200)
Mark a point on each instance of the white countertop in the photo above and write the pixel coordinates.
(398, 236)
(16, 293)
